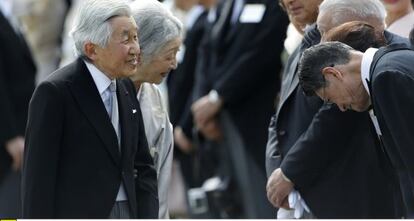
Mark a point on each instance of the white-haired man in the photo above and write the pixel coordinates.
(86, 153)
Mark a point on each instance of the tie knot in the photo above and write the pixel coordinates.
(112, 86)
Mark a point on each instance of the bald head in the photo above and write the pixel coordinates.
(333, 13)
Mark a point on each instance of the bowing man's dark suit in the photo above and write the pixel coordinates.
(391, 88)
(333, 158)
(73, 167)
(17, 82)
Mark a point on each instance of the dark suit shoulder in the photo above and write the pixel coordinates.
(383, 79)
(394, 39)
(68, 72)
(397, 59)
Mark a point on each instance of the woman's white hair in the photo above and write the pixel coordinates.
(157, 26)
(357, 9)
(92, 22)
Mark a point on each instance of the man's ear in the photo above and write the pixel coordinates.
(329, 72)
(90, 50)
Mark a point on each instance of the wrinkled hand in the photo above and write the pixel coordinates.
(182, 141)
(15, 147)
(278, 189)
(204, 110)
(211, 130)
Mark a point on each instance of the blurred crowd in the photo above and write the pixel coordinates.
(222, 93)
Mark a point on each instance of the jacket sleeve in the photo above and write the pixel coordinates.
(42, 146)
(273, 156)
(323, 143)
(258, 59)
(8, 119)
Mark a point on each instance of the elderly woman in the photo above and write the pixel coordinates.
(159, 34)
(400, 16)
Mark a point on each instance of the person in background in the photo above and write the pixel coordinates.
(239, 75)
(68, 53)
(160, 36)
(17, 83)
(43, 22)
(181, 82)
(400, 16)
(180, 8)
(86, 152)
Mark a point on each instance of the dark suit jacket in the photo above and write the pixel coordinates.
(72, 165)
(391, 89)
(243, 67)
(181, 81)
(333, 158)
(17, 74)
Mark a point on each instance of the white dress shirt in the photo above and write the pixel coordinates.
(102, 82)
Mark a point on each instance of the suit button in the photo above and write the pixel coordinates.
(135, 173)
(282, 133)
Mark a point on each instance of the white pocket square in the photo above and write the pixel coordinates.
(134, 111)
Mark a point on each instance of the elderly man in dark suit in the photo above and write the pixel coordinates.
(17, 74)
(382, 79)
(318, 158)
(86, 153)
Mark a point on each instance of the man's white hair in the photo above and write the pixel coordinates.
(363, 10)
(92, 22)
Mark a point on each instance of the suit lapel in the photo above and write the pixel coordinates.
(234, 29)
(86, 94)
(129, 136)
(127, 117)
(223, 20)
(291, 82)
(220, 28)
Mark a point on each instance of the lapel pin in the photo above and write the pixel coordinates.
(134, 111)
